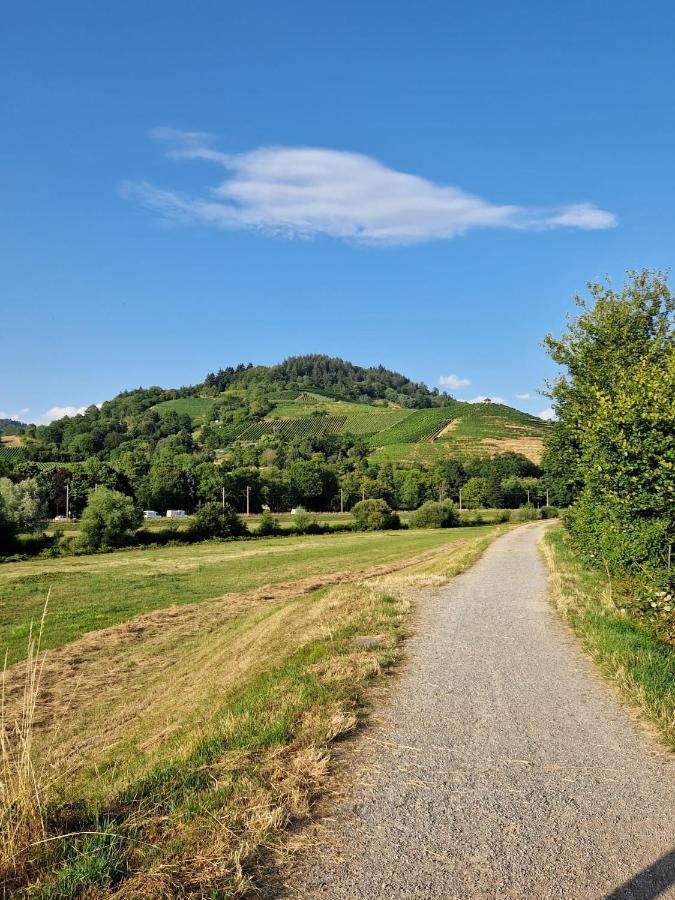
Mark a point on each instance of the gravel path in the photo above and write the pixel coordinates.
(500, 765)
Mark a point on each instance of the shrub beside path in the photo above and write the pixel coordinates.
(501, 766)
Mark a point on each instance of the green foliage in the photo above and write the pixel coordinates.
(7, 528)
(475, 492)
(108, 520)
(302, 522)
(24, 504)
(217, 520)
(433, 514)
(374, 515)
(527, 513)
(615, 434)
(269, 525)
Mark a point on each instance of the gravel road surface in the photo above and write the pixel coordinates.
(499, 766)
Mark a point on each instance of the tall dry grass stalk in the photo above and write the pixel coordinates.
(23, 784)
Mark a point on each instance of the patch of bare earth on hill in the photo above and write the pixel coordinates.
(446, 429)
(119, 659)
(532, 448)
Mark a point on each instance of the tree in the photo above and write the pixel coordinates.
(615, 432)
(24, 504)
(108, 520)
(215, 520)
(305, 479)
(435, 514)
(7, 528)
(374, 515)
(475, 492)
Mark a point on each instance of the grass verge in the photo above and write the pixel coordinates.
(176, 776)
(627, 651)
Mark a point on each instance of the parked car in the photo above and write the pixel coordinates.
(150, 514)
(175, 513)
(60, 518)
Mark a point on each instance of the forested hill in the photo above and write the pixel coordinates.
(257, 415)
(11, 426)
(342, 379)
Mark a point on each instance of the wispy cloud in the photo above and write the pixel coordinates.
(523, 396)
(548, 414)
(311, 191)
(19, 415)
(481, 398)
(58, 412)
(454, 382)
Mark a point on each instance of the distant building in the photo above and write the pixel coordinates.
(150, 514)
(487, 400)
(175, 513)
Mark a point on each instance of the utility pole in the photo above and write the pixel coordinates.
(67, 501)
(223, 497)
(363, 493)
(547, 497)
(460, 498)
(342, 505)
(248, 499)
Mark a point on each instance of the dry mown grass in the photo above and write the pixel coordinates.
(195, 735)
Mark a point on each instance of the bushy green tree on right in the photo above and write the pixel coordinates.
(612, 451)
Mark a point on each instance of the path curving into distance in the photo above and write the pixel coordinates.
(500, 766)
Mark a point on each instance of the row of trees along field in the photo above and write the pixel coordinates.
(611, 454)
(322, 474)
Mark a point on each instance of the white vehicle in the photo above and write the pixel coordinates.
(60, 518)
(150, 514)
(175, 513)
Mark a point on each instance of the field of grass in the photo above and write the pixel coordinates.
(182, 746)
(626, 650)
(195, 407)
(93, 592)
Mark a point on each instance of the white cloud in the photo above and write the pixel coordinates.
(310, 191)
(58, 412)
(481, 398)
(523, 396)
(18, 415)
(548, 414)
(454, 382)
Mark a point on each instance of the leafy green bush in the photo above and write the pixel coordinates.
(269, 525)
(108, 520)
(526, 513)
(433, 514)
(618, 543)
(302, 522)
(549, 512)
(374, 515)
(217, 520)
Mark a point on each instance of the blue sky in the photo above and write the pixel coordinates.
(420, 184)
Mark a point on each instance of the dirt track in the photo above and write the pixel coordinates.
(500, 767)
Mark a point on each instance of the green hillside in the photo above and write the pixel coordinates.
(396, 435)
(259, 416)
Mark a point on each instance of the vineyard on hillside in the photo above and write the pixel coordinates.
(420, 425)
(309, 426)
